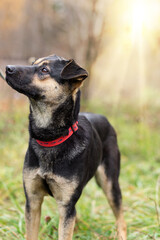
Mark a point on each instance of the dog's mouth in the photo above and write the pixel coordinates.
(12, 83)
(26, 89)
(9, 81)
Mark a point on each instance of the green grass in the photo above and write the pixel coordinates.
(139, 141)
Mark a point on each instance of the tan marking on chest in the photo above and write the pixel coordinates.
(34, 183)
(61, 188)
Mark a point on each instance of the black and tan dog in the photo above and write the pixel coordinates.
(66, 149)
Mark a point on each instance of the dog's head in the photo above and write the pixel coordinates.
(50, 78)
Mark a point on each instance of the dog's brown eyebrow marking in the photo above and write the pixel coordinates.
(40, 61)
(43, 63)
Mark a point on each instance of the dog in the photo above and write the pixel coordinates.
(66, 148)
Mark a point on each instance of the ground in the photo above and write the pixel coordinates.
(139, 141)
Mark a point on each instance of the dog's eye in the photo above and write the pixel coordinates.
(44, 70)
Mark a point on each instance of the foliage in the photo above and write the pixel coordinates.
(139, 143)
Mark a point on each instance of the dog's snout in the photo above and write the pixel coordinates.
(10, 69)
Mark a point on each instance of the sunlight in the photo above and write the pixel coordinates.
(139, 16)
(143, 25)
(127, 59)
(143, 16)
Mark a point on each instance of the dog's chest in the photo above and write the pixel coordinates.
(61, 187)
(50, 168)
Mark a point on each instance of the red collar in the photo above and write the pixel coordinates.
(60, 140)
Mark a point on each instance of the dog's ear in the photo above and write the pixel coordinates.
(72, 71)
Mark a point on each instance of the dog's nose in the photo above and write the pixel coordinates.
(10, 69)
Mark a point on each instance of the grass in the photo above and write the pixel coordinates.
(139, 141)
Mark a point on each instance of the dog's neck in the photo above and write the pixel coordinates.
(48, 122)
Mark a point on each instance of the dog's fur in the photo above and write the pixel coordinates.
(52, 86)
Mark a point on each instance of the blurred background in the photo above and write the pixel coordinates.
(118, 42)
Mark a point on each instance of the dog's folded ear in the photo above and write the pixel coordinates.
(72, 71)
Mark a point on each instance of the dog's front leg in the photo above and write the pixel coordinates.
(32, 217)
(33, 188)
(66, 222)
